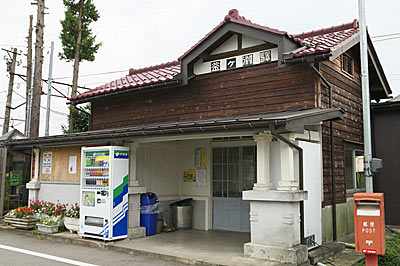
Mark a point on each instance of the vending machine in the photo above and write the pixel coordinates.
(104, 192)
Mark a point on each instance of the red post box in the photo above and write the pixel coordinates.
(369, 223)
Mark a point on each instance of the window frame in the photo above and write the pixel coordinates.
(344, 70)
(354, 172)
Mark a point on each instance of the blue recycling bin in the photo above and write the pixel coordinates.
(148, 212)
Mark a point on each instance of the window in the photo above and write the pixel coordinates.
(234, 170)
(347, 64)
(355, 181)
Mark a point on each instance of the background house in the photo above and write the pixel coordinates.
(385, 129)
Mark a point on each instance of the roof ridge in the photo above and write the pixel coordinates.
(233, 15)
(133, 71)
(351, 25)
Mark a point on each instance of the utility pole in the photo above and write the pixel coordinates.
(76, 66)
(49, 90)
(11, 70)
(365, 97)
(37, 77)
(28, 78)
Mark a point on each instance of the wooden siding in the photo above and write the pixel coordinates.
(346, 93)
(250, 90)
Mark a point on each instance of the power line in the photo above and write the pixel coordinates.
(96, 74)
(392, 38)
(54, 111)
(385, 35)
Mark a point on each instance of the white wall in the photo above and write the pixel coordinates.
(248, 41)
(65, 193)
(312, 164)
(229, 45)
(160, 168)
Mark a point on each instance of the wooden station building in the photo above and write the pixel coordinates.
(271, 123)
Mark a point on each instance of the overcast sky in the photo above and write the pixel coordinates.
(137, 34)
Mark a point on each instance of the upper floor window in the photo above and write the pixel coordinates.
(347, 64)
(355, 181)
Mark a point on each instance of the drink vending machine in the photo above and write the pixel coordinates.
(104, 192)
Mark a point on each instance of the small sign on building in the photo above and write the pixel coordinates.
(47, 162)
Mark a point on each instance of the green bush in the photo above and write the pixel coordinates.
(392, 253)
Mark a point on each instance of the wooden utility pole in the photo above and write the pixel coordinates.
(76, 65)
(3, 165)
(28, 74)
(37, 76)
(11, 70)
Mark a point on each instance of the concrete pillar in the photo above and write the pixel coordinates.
(275, 226)
(134, 191)
(287, 181)
(263, 169)
(34, 185)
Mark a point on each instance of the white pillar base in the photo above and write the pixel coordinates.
(288, 185)
(258, 186)
(33, 188)
(134, 206)
(275, 226)
(136, 232)
(296, 255)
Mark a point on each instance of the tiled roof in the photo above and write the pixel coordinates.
(325, 40)
(313, 42)
(137, 78)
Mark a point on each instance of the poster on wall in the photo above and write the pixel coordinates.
(201, 176)
(189, 176)
(47, 162)
(72, 164)
(200, 158)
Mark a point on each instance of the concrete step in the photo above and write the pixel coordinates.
(324, 252)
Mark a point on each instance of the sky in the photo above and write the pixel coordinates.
(138, 34)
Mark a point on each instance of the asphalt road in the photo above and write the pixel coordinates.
(18, 250)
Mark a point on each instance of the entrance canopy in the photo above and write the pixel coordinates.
(280, 122)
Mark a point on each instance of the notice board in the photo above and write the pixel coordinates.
(63, 165)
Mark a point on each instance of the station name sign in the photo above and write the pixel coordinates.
(255, 58)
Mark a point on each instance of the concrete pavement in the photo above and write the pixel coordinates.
(46, 252)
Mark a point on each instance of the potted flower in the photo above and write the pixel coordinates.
(71, 219)
(53, 212)
(48, 225)
(36, 206)
(21, 217)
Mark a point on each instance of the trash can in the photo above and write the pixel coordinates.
(182, 214)
(148, 212)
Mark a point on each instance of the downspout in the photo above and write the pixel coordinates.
(301, 179)
(332, 154)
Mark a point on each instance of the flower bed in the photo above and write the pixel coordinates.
(41, 212)
(21, 217)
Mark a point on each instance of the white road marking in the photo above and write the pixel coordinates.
(46, 256)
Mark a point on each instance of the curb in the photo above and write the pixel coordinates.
(108, 246)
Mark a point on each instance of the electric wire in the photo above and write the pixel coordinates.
(51, 110)
(387, 39)
(95, 74)
(385, 35)
(329, 259)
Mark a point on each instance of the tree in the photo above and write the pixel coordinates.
(81, 118)
(78, 40)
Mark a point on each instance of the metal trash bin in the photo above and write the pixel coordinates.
(182, 212)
